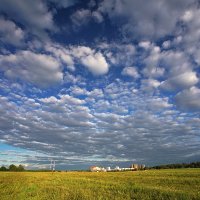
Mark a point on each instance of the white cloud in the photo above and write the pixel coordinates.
(84, 16)
(182, 81)
(81, 51)
(81, 17)
(71, 100)
(145, 19)
(70, 78)
(166, 63)
(145, 44)
(78, 91)
(159, 104)
(191, 33)
(153, 72)
(189, 99)
(39, 69)
(64, 99)
(187, 16)
(63, 54)
(119, 53)
(176, 62)
(82, 127)
(131, 71)
(97, 16)
(51, 99)
(149, 84)
(152, 56)
(96, 93)
(102, 115)
(196, 55)
(34, 15)
(10, 33)
(96, 63)
(166, 44)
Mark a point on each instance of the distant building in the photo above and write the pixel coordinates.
(95, 169)
(137, 166)
(117, 168)
(108, 169)
(142, 166)
(133, 167)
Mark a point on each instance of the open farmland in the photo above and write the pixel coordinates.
(153, 184)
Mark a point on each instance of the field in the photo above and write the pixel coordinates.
(152, 184)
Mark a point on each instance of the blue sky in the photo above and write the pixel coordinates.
(99, 82)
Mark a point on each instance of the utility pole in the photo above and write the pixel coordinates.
(53, 165)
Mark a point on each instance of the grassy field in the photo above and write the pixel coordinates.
(153, 184)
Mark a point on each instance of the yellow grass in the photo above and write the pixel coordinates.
(176, 184)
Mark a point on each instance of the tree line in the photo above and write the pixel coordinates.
(20, 168)
(13, 168)
(179, 165)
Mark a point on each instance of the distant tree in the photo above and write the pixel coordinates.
(20, 168)
(179, 165)
(3, 168)
(13, 168)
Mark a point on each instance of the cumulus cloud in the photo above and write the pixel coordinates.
(159, 104)
(153, 72)
(97, 16)
(79, 91)
(131, 71)
(189, 35)
(63, 54)
(91, 119)
(64, 99)
(39, 69)
(92, 59)
(33, 15)
(10, 33)
(190, 20)
(159, 19)
(182, 81)
(119, 53)
(176, 62)
(87, 131)
(145, 44)
(189, 99)
(81, 17)
(96, 63)
(174, 66)
(166, 44)
(149, 84)
(84, 16)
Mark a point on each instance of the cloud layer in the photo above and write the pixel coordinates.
(99, 82)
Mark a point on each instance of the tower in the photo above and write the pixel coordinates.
(53, 165)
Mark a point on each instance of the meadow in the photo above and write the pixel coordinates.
(183, 184)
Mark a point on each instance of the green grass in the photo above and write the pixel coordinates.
(170, 184)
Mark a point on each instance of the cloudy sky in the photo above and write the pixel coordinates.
(99, 82)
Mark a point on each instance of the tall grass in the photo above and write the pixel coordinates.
(183, 184)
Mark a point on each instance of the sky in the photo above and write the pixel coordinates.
(99, 82)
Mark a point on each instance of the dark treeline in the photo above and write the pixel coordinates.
(13, 168)
(179, 165)
(20, 168)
